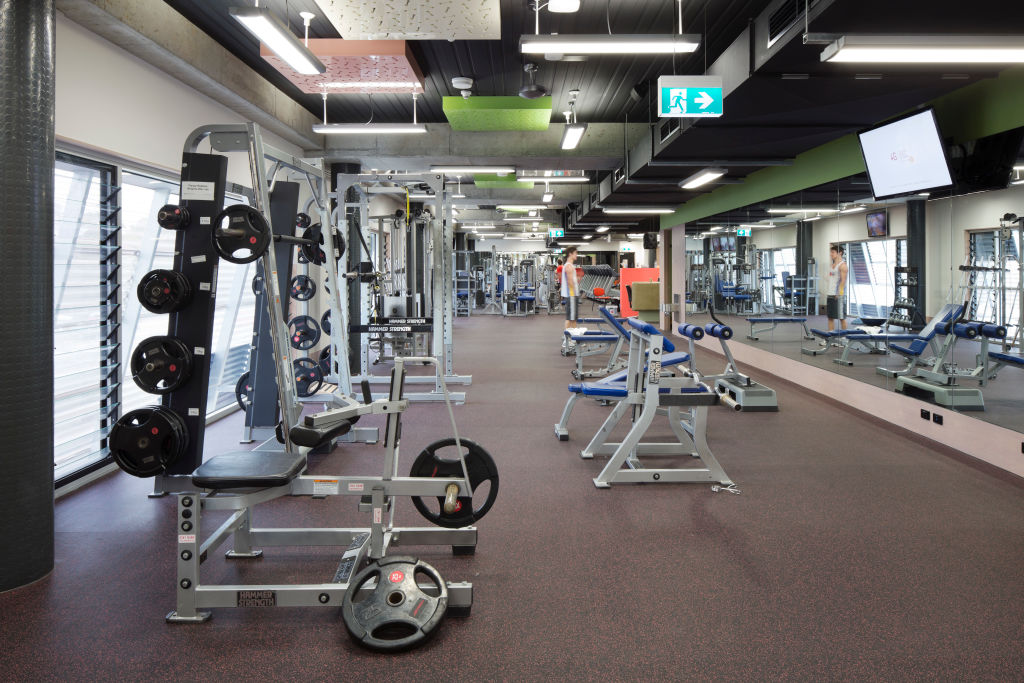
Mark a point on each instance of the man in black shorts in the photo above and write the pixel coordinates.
(570, 290)
(835, 303)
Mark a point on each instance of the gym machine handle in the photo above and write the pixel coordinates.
(367, 394)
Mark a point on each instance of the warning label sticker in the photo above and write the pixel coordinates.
(356, 487)
(186, 538)
(325, 487)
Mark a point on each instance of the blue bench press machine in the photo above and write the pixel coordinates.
(611, 339)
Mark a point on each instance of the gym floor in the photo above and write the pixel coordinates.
(855, 552)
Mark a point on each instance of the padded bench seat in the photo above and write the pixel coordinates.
(619, 390)
(1008, 358)
(523, 297)
(667, 360)
(248, 470)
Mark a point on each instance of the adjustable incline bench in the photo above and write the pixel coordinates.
(772, 323)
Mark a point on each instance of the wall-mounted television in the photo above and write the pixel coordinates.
(716, 244)
(723, 243)
(905, 156)
(878, 224)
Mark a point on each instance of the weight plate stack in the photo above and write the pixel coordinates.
(145, 442)
(161, 364)
(164, 291)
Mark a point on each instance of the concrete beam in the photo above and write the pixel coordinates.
(157, 34)
(602, 148)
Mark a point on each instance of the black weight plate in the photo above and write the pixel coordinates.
(304, 332)
(396, 613)
(302, 220)
(257, 285)
(480, 467)
(325, 322)
(146, 441)
(172, 217)
(161, 364)
(302, 288)
(308, 377)
(318, 256)
(242, 390)
(325, 361)
(240, 234)
(164, 291)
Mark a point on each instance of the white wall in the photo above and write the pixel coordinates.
(108, 99)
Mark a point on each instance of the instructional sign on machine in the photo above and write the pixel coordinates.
(689, 96)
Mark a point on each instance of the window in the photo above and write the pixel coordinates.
(871, 285)
(994, 295)
(86, 314)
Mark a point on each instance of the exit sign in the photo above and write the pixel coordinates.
(689, 96)
(743, 232)
(554, 233)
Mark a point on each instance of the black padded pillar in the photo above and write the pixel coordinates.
(804, 246)
(26, 280)
(916, 245)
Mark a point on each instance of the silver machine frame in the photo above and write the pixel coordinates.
(686, 408)
(439, 297)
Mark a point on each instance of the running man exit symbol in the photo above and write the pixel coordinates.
(689, 96)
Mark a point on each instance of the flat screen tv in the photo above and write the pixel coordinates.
(716, 244)
(728, 244)
(878, 224)
(905, 156)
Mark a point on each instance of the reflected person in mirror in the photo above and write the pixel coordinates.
(835, 301)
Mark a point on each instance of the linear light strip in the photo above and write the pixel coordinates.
(369, 128)
(599, 44)
(925, 49)
(262, 23)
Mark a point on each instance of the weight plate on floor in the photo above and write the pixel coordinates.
(161, 364)
(164, 291)
(302, 288)
(308, 377)
(304, 332)
(242, 391)
(146, 441)
(325, 322)
(240, 234)
(394, 613)
(431, 462)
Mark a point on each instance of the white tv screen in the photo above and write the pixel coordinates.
(905, 156)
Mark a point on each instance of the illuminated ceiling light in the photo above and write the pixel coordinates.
(547, 197)
(855, 209)
(603, 228)
(635, 235)
(600, 44)
(756, 225)
(587, 237)
(638, 210)
(262, 23)
(369, 128)
(554, 179)
(702, 178)
(930, 49)
(563, 6)
(572, 135)
(455, 170)
(717, 228)
(521, 207)
(421, 196)
(798, 209)
(813, 218)
(363, 85)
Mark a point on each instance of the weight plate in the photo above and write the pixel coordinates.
(481, 469)
(146, 441)
(308, 377)
(395, 613)
(240, 234)
(257, 285)
(302, 220)
(318, 256)
(164, 291)
(325, 322)
(172, 217)
(161, 364)
(242, 391)
(302, 288)
(325, 361)
(304, 332)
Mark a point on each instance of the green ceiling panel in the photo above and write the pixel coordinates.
(498, 113)
(499, 182)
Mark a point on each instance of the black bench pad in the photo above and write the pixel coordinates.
(248, 469)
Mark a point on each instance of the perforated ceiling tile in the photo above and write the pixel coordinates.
(414, 19)
(356, 66)
(497, 113)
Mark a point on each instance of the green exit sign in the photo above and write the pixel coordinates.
(689, 96)
(743, 232)
(553, 233)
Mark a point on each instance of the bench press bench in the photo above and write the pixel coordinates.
(774, 322)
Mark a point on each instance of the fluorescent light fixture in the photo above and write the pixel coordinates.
(932, 49)
(485, 227)
(587, 237)
(548, 196)
(717, 228)
(813, 218)
(855, 209)
(368, 128)
(1017, 182)
(363, 85)
(536, 224)
(600, 44)
(556, 179)
(532, 213)
(754, 226)
(797, 209)
(454, 170)
(572, 135)
(603, 228)
(563, 6)
(924, 194)
(458, 195)
(702, 178)
(521, 207)
(638, 210)
(421, 196)
(635, 235)
(571, 243)
(262, 23)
